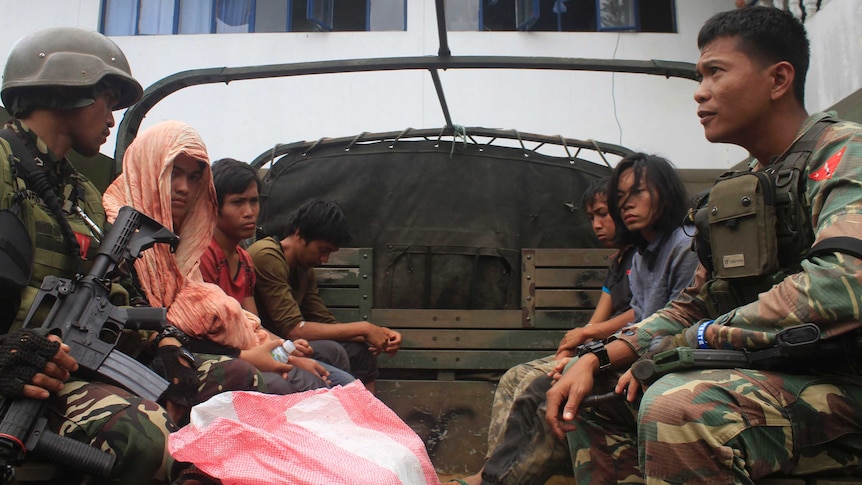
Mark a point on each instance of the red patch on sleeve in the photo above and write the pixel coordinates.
(828, 169)
(84, 242)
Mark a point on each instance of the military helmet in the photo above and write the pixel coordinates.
(65, 57)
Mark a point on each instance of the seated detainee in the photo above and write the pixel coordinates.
(611, 313)
(647, 202)
(286, 289)
(741, 425)
(226, 264)
(166, 175)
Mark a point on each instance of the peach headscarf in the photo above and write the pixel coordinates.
(174, 281)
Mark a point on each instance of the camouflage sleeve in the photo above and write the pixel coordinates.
(828, 289)
(678, 315)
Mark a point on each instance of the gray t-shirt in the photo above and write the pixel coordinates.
(661, 270)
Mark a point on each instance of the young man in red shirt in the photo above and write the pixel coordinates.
(226, 264)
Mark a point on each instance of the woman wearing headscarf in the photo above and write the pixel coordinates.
(167, 176)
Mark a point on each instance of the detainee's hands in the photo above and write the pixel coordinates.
(564, 397)
(312, 366)
(559, 367)
(377, 338)
(571, 340)
(394, 342)
(261, 358)
(303, 348)
(56, 372)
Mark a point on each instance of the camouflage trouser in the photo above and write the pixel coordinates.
(220, 373)
(527, 452)
(511, 385)
(724, 426)
(107, 417)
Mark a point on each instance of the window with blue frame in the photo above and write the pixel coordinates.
(562, 15)
(151, 17)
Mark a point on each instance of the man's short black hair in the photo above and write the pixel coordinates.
(320, 220)
(232, 177)
(662, 182)
(767, 34)
(599, 188)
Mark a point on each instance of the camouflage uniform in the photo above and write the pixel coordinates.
(737, 426)
(217, 372)
(511, 385)
(517, 379)
(220, 373)
(133, 429)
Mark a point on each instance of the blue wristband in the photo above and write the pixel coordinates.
(701, 334)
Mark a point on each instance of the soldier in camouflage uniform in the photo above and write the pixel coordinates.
(740, 425)
(61, 86)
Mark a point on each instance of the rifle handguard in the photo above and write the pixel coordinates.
(792, 342)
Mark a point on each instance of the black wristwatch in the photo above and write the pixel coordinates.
(598, 349)
(170, 331)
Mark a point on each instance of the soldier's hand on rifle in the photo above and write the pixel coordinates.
(565, 395)
(56, 371)
(261, 358)
(631, 386)
(32, 365)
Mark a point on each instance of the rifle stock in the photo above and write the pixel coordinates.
(80, 313)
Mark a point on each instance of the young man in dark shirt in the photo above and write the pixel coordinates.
(287, 296)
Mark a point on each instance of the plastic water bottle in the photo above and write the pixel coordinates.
(282, 353)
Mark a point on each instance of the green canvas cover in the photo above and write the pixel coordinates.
(446, 220)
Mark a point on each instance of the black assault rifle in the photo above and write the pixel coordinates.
(80, 313)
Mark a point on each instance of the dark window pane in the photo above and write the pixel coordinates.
(498, 15)
(657, 15)
(350, 15)
(526, 13)
(320, 13)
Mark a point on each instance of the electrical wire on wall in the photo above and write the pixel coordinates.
(614, 91)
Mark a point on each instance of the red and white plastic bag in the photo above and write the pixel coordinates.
(327, 436)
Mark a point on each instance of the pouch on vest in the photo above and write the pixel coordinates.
(741, 225)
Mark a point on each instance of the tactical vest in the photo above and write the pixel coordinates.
(51, 251)
(754, 228)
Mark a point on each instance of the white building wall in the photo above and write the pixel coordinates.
(647, 113)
